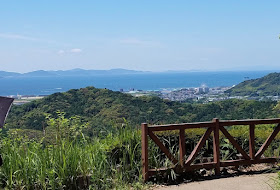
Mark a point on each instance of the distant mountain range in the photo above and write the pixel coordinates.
(73, 72)
(8, 74)
(84, 72)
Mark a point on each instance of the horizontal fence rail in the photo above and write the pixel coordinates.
(214, 127)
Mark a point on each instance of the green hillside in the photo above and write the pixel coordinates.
(102, 107)
(94, 143)
(268, 85)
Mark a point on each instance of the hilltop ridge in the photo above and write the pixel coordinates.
(268, 85)
(102, 107)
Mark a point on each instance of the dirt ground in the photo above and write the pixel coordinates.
(242, 182)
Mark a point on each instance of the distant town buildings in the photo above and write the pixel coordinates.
(199, 93)
(202, 94)
(22, 99)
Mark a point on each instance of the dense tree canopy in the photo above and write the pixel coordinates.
(102, 107)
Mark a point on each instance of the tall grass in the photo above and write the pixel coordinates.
(72, 161)
(66, 159)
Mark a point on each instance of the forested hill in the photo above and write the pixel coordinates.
(268, 85)
(102, 108)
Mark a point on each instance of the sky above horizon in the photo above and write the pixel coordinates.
(143, 35)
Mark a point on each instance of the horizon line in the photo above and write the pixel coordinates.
(148, 71)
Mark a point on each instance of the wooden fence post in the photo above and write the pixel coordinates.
(216, 146)
(182, 147)
(252, 141)
(145, 160)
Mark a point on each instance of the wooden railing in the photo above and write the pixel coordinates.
(215, 126)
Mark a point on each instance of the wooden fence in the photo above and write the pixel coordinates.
(184, 165)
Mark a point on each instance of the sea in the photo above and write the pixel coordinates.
(145, 81)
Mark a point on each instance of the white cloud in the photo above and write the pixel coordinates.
(17, 37)
(28, 38)
(60, 52)
(76, 50)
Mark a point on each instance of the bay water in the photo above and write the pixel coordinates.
(24, 85)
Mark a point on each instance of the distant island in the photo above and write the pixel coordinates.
(72, 72)
(116, 71)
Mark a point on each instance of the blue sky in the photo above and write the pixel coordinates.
(147, 35)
